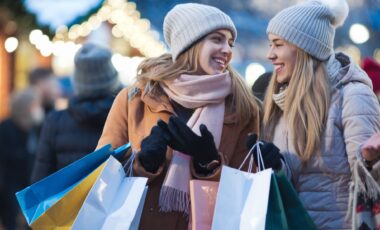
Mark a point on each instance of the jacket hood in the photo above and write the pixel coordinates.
(90, 110)
(349, 72)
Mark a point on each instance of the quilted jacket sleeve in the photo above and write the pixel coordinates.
(360, 117)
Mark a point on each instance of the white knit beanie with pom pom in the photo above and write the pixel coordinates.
(311, 25)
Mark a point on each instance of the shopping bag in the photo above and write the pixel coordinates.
(35, 199)
(114, 202)
(239, 194)
(255, 208)
(62, 214)
(275, 216)
(202, 199)
(296, 215)
(242, 198)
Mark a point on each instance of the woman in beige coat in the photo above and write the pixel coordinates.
(196, 85)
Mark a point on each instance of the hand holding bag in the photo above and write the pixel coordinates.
(242, 198)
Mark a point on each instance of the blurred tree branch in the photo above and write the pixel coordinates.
(15, 19)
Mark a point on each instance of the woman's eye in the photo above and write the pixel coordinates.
(216, 39)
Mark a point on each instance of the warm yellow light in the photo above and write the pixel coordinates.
(11, 44)
(34, 36)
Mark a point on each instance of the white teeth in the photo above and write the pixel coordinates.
(277, 66)
(219, 61)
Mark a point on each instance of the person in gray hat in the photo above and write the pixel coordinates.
(208, 107)
(69, 134)
(318, 110)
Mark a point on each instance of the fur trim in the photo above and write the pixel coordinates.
(339, 9)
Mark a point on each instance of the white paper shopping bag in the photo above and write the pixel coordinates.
(114, 202)
(255, 209)
(242, 198)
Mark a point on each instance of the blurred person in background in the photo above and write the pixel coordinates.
(318, 110)
(196, 89)
(46, 84)
(372, 68)
(69, 134)
(261, 84)
(15, 153)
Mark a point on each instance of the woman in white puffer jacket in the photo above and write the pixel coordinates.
(319, 108)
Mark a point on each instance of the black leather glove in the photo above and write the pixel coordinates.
(153, 149)
(183, 139)
(270, 153)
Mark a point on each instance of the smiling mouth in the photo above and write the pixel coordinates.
(278, 67)
(222, 63)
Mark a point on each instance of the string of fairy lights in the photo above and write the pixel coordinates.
(126, 23)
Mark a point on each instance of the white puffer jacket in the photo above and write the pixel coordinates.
(354, 116)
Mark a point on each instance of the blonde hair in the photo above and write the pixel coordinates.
(162, 68)
(306, 105)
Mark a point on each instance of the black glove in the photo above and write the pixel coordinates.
(153, 149)
(270, 153)
(183, 139)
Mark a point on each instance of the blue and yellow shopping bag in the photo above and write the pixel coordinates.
(37, 198)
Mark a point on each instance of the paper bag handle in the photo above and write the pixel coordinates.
(260, 166)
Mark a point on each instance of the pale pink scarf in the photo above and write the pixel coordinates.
(206, 94)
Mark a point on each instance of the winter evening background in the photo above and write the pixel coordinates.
(47, 33)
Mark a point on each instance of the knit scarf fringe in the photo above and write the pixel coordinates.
(363, 183)
(172, 199)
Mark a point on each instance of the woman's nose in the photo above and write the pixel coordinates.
(227, 49)
(271, 55)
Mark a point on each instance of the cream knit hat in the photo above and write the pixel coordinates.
(311, 25)
(186, 23)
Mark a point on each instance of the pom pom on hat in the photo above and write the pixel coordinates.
(339, 11)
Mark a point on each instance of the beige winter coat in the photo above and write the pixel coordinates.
(131, 118)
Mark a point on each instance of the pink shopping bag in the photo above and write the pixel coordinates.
(202, 198)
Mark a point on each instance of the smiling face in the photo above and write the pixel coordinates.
(215, 52)
(283, 56)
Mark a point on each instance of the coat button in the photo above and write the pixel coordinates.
(151, 209)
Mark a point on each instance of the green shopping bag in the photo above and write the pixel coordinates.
(283, 200)
(276, 218)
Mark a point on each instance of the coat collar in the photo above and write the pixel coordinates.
(156, 103)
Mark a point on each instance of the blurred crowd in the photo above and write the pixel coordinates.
(37, 140)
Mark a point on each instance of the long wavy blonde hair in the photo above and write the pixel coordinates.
(306, 105)
(153, 70)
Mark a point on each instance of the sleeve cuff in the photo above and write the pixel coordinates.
(213, 168)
